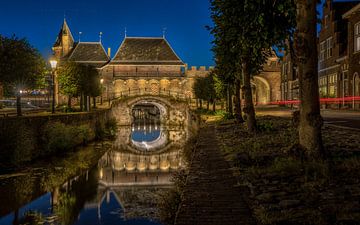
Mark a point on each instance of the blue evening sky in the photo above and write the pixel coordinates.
(185, 20)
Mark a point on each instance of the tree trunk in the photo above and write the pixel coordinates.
(94, 102)
(229, 100)
(249, 105)
(82, 102)
(214, 106)
(238, 112)
(18, 104)
(69, 101)
(200, 103)
(306, 51)
(207, 105)
(197, 103)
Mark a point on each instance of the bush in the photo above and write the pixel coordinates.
(111, 127)
(265, 126)
(60, 137)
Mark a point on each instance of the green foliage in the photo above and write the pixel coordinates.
(76, 79)
(265, 126)
(59, 137)
(21, 65)
(111, 127)
(106, 130)
(204, 88)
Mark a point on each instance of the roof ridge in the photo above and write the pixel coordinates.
(145, 37)
(89, 42)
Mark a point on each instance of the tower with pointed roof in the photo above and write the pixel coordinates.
(64, 42)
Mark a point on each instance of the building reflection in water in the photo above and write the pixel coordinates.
(123, 186)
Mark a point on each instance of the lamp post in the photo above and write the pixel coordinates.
(102, 86)
(53, 64)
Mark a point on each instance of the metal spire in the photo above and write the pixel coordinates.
(100, 36)
(80, 35)
(125, 32)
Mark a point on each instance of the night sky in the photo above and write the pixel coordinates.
(185, 20)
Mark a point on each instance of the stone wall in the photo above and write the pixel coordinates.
(174, 112)
(22, 138)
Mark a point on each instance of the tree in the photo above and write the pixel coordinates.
(306, 56)
(21, 66)
(79, 80)
(69, 80)
(204, 89)
(246, 31)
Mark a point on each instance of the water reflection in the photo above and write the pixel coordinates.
(121, 188)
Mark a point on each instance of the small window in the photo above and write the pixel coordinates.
(326, 21)
(329, 47)
(357, 37)
(322, 51)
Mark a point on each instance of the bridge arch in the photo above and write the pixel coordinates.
(172, 112)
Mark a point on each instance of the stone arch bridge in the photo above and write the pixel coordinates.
(173, 107)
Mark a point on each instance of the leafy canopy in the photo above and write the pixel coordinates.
(21, 65)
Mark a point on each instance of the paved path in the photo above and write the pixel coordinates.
(209, 195)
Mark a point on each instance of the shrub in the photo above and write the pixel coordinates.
(265, 126)
(60, 137)
(111, 127)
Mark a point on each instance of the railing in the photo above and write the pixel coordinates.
(149, 74)
(11, 113)
(151, 92)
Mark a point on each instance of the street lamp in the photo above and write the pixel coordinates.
(53, 64)
(101, 97)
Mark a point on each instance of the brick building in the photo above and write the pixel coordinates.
(150, 65)
(333, 50)
(336, 56)
(353, 70)
(289, 78)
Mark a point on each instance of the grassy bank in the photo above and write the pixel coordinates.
(287, 190)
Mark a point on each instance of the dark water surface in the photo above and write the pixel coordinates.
(114, 182)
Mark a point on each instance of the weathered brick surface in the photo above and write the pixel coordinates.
(210, 195)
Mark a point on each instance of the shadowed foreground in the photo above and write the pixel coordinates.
(210, 195)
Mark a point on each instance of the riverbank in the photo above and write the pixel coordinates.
(24, 139)
(44, 176)
(285, 190)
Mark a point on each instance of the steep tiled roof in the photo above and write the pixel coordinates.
(89, 52)
(146, 51)
(64, 30)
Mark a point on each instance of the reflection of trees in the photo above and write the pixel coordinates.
(31, 218)
(73, 197)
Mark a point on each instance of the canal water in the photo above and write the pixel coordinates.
(113, 182)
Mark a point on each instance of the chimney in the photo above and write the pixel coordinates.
(109, 52)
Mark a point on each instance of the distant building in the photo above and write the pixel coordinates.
(351, 74)
(333, 51)
(338, 60)
(289, 78)
(150, 65)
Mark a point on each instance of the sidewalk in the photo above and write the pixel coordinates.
(210, 195)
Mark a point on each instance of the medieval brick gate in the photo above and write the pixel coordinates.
(174, 112)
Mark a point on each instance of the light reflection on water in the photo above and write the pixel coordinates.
(120, 189)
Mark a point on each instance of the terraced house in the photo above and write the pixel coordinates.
(338, 63)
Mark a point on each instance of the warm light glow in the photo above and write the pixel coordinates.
(101, 81)
(53, 63)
